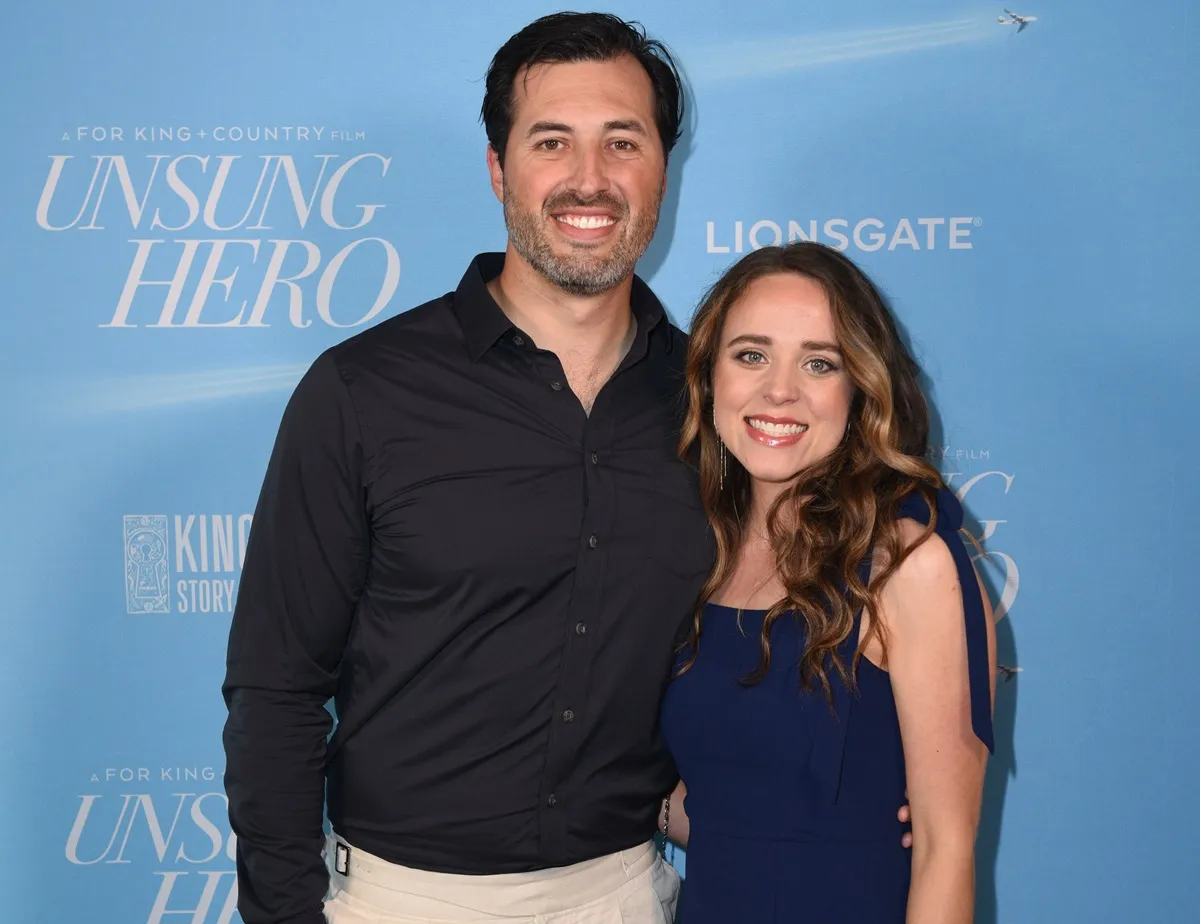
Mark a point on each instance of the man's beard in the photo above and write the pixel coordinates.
(582, 271)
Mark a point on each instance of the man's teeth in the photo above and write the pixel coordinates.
(586, 221)
(777, 429)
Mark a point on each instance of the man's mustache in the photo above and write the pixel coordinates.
(599, 201)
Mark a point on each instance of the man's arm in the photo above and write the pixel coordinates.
(305, 567)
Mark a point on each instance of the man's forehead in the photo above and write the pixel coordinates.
(620, 81)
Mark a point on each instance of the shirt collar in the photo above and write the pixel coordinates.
(483, 322)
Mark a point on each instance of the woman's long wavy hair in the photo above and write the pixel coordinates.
(843, 507)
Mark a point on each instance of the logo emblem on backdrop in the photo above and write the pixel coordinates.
(208, 550)
(146, 577)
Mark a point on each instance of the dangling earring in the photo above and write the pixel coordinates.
(721, 472)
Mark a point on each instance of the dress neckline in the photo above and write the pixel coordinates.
(735, 609)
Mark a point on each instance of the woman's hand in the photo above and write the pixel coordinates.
(672, 819)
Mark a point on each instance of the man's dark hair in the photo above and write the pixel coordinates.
(569, 37)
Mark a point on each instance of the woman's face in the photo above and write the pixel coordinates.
(781, 394)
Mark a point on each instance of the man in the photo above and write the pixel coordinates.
(475, 536)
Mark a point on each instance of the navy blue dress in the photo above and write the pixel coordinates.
(792, 806)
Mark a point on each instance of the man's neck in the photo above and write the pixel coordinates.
(559, 321)
(590, 334)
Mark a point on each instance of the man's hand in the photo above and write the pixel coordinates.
(905, 816)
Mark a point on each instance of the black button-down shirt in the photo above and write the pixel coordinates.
(487, 580)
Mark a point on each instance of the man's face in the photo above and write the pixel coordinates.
(584, 172)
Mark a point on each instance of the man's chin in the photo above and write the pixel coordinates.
(595, 262)
(583, 280)
(563, 246)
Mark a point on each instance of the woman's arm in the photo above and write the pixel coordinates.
(673, 819)
(922, 610)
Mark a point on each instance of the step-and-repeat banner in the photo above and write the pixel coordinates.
(200, 198)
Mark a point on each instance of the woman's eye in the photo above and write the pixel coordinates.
(751, 356)
(821, 366)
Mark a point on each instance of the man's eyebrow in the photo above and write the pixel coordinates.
(539, 127)
(625, 125)
(614, 125)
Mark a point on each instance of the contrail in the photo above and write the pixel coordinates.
(769, 56)
(145, 392)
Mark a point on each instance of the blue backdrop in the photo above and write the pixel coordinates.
(200, 198)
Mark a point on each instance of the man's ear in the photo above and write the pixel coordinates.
(496, 172)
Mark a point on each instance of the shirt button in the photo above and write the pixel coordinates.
(557, 386)
(552, 801)
(595, 458)
(593, 542)
(581, 628)
(568, 716)
(519, 340)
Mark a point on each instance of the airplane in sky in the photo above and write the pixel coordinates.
(1008, 672)
(1015, 19)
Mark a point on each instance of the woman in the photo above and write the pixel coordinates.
(843, 651)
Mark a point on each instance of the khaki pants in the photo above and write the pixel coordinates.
(632, 887)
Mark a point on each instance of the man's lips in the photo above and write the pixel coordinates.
(585, 220)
